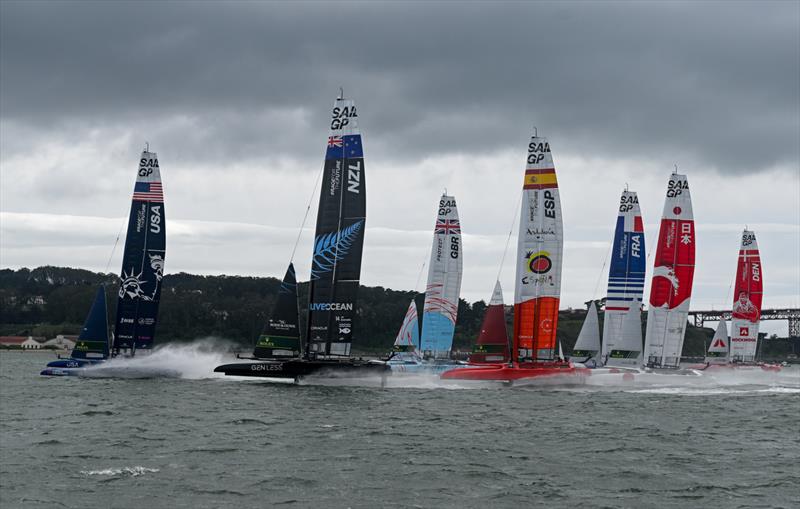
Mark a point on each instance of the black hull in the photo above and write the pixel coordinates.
(298, 368)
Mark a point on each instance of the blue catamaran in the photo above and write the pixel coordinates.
(140, 282)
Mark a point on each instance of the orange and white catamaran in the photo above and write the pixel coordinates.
(538, 282)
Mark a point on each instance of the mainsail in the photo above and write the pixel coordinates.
(718, 349)
(405, 344)
(587, 346)
(540, 246)
(626, 271)
(142, 261)
(339, 238)
(440, 309)
(673, 273)
(747, 295)
(627, 349)
(492, 343)
(93, 340)
(281, 336)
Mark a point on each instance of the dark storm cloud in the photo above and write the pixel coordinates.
(715, 84)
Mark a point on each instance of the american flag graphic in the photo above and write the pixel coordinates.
(448, 226)
(148, 191)
(334, 141)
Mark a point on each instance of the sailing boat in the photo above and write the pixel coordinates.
(405, 355)
(140, 283)
(626, 272)
(445, 269)
(538, 283)
(335, 264)
(673, 273)
(587, 346)
(747, 294)
(492, 344)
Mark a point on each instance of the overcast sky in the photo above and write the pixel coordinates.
(235, 97)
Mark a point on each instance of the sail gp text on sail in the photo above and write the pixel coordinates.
(331, 306)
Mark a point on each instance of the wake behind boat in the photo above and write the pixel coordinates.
(335, 273)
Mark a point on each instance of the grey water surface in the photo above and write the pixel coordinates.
(201, 442)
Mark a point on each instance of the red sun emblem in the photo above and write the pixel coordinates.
(539, 263)
(677, 211)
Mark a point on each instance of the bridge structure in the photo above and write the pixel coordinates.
(789, 314)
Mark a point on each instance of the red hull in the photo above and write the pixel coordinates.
(504, 373)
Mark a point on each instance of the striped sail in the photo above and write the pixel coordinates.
(746, 311)
(718, 349)
(444, 282)
(339, 238)
(587, 346)
(539, 258)
(405, 344)
(626, 271)
(142, 261)
(673, 273)
(492, 343)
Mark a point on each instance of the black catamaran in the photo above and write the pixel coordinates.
(335, 271)
(140, 281)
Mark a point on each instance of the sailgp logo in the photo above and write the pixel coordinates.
(329, 248)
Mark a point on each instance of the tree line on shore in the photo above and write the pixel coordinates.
(47, 301)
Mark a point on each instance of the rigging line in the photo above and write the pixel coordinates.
(113, 249)
(510, 232)
(602, 269)
(419, 276)
(308, 209)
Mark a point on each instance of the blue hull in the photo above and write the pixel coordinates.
(61, 371)
(68, 367)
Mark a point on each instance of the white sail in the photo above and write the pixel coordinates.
(588, 344)
(673, 273)
(444, 282)
(627, 351)
(718, 349)
(407, 340)
(747, 296)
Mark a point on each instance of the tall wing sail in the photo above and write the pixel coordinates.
(405, 344)
(746, 311)
(719, 343)
(281, 336)
(626, 271)
(492, 343)
(539, 258)
(339, 238)
(673, 274)
(588, 342)
(93, 340)
(142, 260)
(627, 351)
(444, 282)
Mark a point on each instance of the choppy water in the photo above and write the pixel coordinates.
(202, 442)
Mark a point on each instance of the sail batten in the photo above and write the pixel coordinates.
(747, 296)
(440, 309)
(339, 238)
(540, 252)
(673, 274)
(142, 261)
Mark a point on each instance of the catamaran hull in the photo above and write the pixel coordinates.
(423, 368)
(61, 371)
(295, 369)
(738, 366)
(516, 373)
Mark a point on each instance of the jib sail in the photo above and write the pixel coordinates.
(339, 238)
(281, 336)
(142, 261)
(93, 340)
(492, 343)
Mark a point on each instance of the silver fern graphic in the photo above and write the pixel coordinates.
(330, 247)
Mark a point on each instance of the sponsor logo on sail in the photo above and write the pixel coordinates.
(539, 262)
(676, 188)
(340, 117)
(331, 306)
